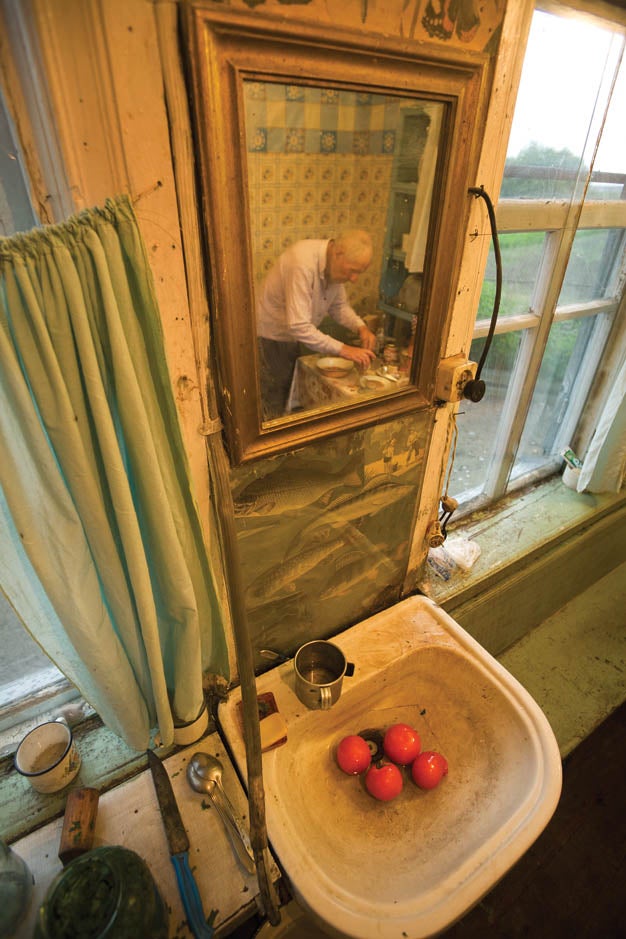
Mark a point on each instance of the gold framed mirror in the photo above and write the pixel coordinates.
(334, 174)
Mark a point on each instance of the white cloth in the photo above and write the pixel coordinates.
(416, 248)
(604, 465)
(296, 297)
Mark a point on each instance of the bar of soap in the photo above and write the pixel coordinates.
(273, 730)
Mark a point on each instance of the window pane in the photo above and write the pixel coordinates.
(608, 180)
(593, 267)
(558, 374)
(478, 423)
(548, 141)
(16, 213)
(521, 255)
(24, 669)
(35, 668)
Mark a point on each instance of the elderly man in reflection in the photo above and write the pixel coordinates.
(304, 286)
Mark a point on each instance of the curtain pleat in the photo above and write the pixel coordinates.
(96, 480)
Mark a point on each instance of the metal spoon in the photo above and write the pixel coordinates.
(204, 774)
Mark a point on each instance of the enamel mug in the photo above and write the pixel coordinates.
(48, 757)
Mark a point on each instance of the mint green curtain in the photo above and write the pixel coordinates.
(95, 479)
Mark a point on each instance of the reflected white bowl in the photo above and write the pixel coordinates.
(334, 366)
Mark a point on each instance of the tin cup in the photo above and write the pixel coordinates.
(320, 667)
(48, 757)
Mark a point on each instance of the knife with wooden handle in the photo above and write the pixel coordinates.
(179, 851)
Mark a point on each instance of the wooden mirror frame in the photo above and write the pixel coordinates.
(227, 47)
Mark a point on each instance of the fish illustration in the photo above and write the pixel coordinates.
(311, 535)
(363, 563)
(375, 494)
(347, 576)
(290, 489)
(372, 498)
(281, 577)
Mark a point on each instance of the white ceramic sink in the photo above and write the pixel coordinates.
(410, 867)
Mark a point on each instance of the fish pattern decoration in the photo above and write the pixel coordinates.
(324, 532)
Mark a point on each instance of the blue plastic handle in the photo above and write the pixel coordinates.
(190, 896)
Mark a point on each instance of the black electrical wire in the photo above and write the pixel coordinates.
(475, 389)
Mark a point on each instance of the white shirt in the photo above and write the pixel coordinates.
(296, 297)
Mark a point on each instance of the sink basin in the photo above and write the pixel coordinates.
(412, 866)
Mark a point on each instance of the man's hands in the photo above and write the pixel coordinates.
(368, 339)
(361, 356)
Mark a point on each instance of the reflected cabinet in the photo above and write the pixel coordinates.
(334, 168)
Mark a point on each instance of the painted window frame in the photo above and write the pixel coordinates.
(560, 222)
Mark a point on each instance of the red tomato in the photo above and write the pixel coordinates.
(428, 769)
(401, 743)
(353, 755)
(383, 781)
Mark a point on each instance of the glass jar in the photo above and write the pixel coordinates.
(107, 893)
(16, 887)
(390, 354)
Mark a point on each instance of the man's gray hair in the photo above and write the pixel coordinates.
(355, 245)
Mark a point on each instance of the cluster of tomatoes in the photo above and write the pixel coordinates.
(402, 747)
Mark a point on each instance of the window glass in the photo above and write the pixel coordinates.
(521, 256)
(35, 671)
(24, 669)
(560, 118)
(593, 267)
(16, 211)
(560, 368)
(554, 107)
(478, 424)
(609, 168)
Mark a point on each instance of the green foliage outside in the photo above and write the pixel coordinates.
(521, 253)
(586, 276)
(552, 174)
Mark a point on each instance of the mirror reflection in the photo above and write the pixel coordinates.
(340, 190)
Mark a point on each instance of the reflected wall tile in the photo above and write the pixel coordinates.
(287, 172)
(306, 172)
(361, 142)
(294, 140)
(258, 140)
(388, 141)
(268, 172)
(328, 141)
(295, 92)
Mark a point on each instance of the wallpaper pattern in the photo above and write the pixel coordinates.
(324, 531)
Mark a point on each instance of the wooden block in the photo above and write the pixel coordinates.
(79, 823)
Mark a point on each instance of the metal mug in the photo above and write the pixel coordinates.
(320, 667)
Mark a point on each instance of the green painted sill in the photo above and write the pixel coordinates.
(517, 531)
(106, 762)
